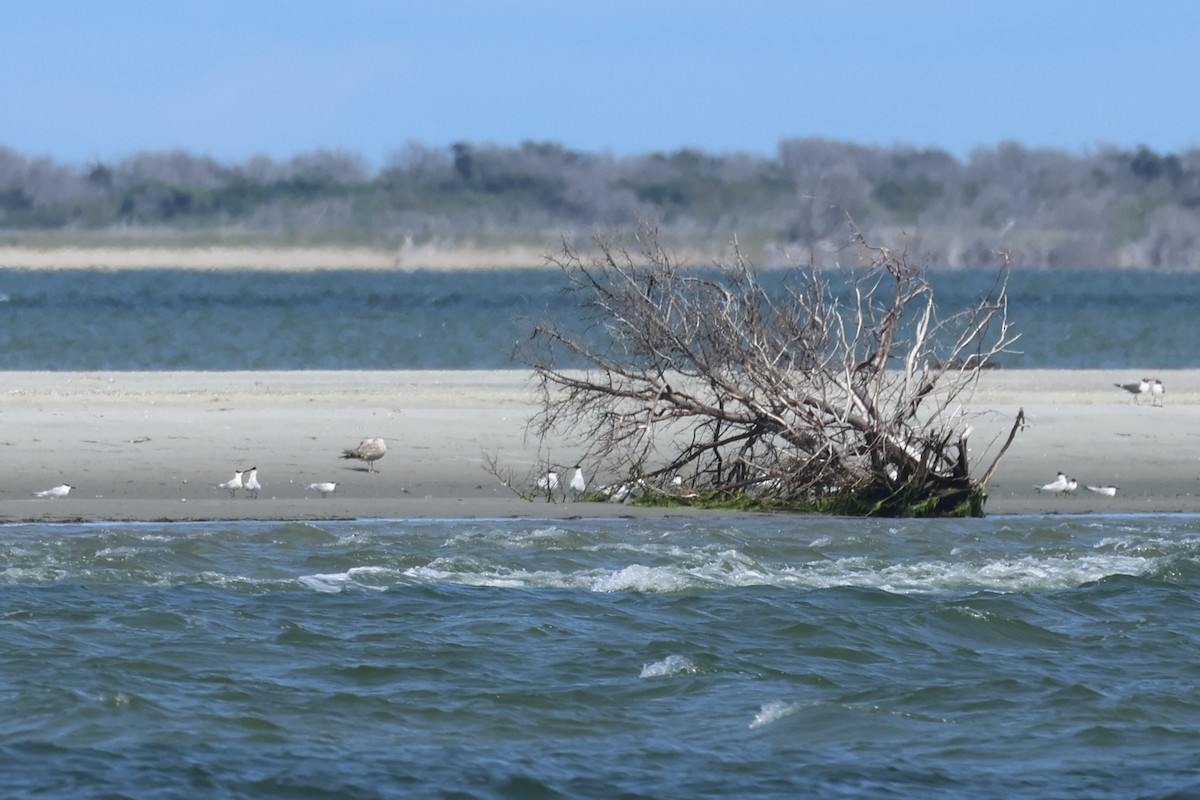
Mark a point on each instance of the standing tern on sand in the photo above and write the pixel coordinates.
(234, 483)
(1060, 484)
(1158, 393)
(252, 484)
(327, 488)
(368, 450)
(577, 485)
(62, 490)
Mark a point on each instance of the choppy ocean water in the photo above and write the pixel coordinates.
(723, 657)
(245, 320)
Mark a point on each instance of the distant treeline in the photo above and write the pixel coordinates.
(1113, 207)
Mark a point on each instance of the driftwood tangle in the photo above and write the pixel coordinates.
(833, 390)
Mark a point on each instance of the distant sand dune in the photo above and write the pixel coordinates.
(295, 259)
(290, 259)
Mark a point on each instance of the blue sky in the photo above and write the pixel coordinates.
(87, 80)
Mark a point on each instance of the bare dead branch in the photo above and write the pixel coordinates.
(814, 384)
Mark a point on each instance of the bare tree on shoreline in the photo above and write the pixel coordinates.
(839, 392)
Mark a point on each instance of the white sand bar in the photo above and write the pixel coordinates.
(153, 446)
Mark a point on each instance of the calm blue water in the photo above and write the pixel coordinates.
(171, 320)
(726, 657)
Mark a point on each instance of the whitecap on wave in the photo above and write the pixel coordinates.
(640, 578)
(332, 583)
(671, 665)
(773, 712)
(327, 584)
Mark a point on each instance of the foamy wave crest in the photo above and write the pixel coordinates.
(379, 578)
(547, 537)
(506, 579)
(710, 571)
(332, 583)
(733, 568)
(1149, 547)
(640, 578)
(773, 712)
(634, 578)
(671, 665)
(1001, 575)
(326, 584)
(608, 565)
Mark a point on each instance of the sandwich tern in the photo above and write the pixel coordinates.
(614, 492)
(325, 488)
(368, 450)
(1059, 484)
(1107, 491)
(234, 483)
(1158, 393)
(252, 484)
(577, 485)
(62, 490)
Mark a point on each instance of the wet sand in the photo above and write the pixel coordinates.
(154, 446)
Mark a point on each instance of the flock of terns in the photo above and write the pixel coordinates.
(1151, 386)
(375, 448)
(368, 450)
(1064, 485)
(550, 483)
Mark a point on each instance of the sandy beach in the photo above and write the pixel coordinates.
(154, 446)
(271, 259)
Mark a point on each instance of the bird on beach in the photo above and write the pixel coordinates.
(62, 490)
(578, 484)
(252, 484)
(548, 483)
(1107, 491)
(1060, 484)
(234, 483)
(1158, 393)
(325, 488)
(1136, 389)
(368, 450)
(616, 493)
